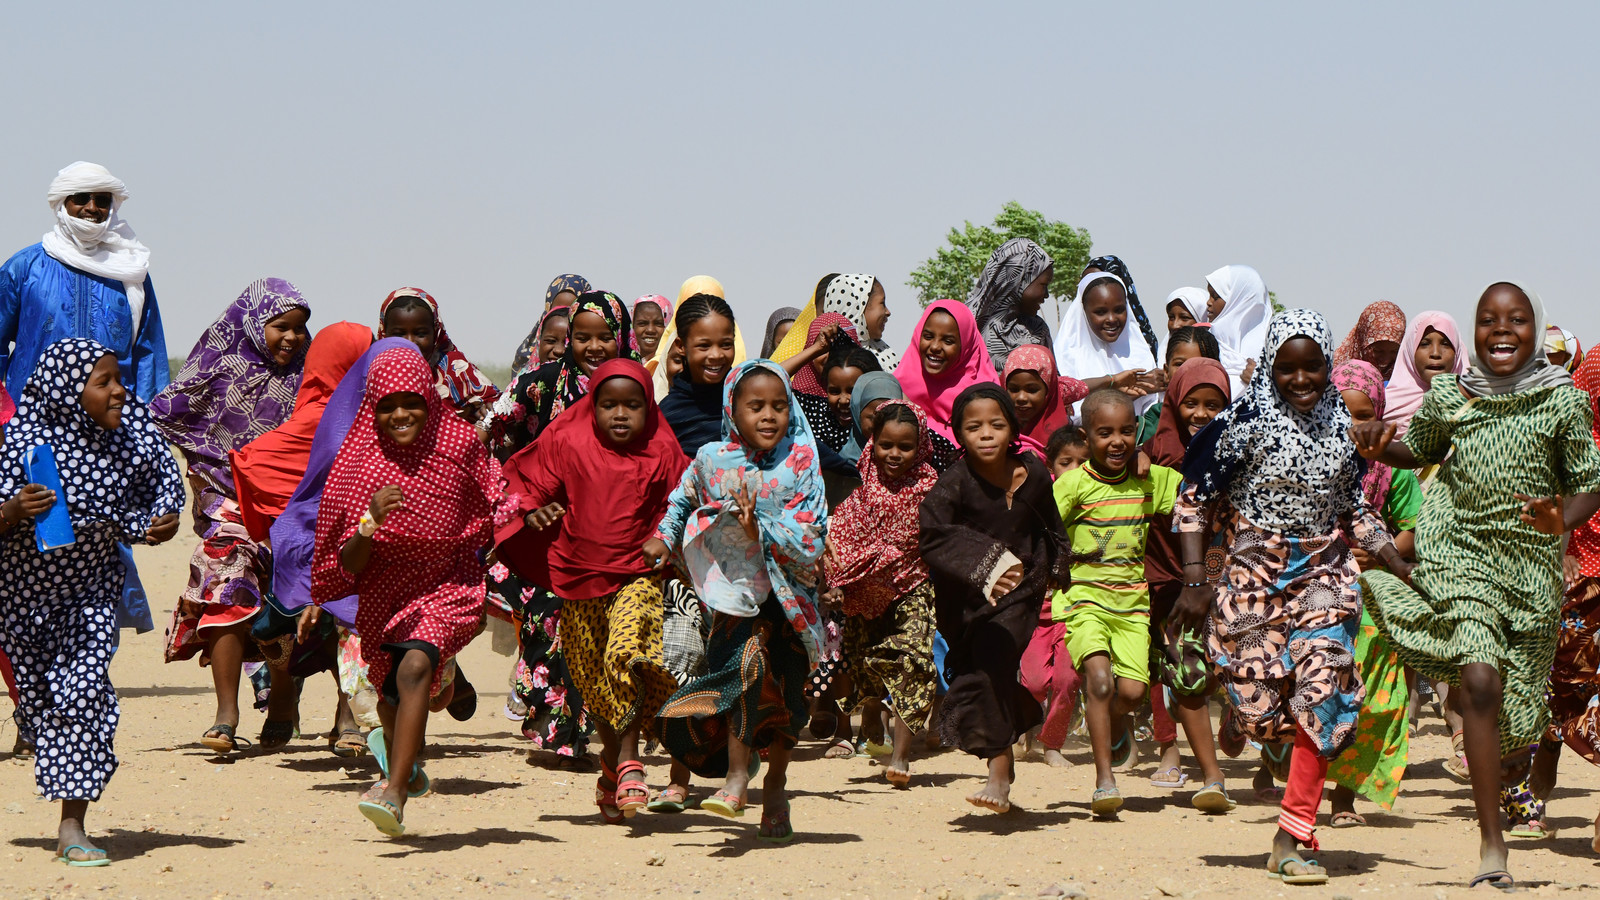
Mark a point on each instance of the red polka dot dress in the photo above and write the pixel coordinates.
(425, 578)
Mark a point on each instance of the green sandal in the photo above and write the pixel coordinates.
(775, 826)
(1105, 802)
(724, 804)
(1307, 877)
(383, 814)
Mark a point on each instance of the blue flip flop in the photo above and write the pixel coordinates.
(380, 752)
(384, 815)
(66, 857)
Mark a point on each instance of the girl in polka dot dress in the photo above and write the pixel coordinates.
(58, 607)
(404, 521)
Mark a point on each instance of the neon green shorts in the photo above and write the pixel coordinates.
(1125, 638)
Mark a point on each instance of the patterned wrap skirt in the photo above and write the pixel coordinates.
(1283, 634)
(891, 656)
(613, 652)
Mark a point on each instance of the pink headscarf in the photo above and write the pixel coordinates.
(936, 394)
(1363, 377)
(1406, 385)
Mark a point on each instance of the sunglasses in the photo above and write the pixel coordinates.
(101, 199)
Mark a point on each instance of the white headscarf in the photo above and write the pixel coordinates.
(1194, 300)
(109, 249)
(1537, 372)
(1241, 327)
(1082, 354)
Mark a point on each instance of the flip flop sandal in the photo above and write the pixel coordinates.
(724, 804)
(1302, 878)
(383, 814)
(1213, 798)
(775, 826)
(90, 862)
(663, 805)
(1269, 795)
(275, 734)
(1172, 777)
(349, 744)
(225, 741)
(1346, 819)
(849, 746)
(1277, 757)
(877, 750)
(638, 793)
(380, 752)
(1499, 879)
(1456, 765)
(1105, 802)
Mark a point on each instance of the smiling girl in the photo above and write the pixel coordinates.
(946, 356)
(1096, 346)
(993, 542)
(406, 513)
(1282, 461)
(1043, 400)
(1523, 470)
(747, 523)
(58, 609)
(239, 382)
(413, 314)
(598, 330)
(589, 491)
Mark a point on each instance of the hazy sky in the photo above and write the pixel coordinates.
(1349, 152)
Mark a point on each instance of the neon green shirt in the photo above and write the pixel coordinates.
(1111, 518)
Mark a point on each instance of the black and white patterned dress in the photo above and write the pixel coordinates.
(58, 609)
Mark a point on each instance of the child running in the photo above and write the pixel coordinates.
(993, 542)
(1285, 614)
(748, 523)
(877, 578)
(406, 513)
(1197, 392)
(1481, 607)
(1107, 510)
(239, 382)
(590, 490)
(58, 616)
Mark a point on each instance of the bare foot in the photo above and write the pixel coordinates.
(1054, 759)
(898, 770)
(995, 795)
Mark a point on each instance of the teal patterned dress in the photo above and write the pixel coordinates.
(1487, 586)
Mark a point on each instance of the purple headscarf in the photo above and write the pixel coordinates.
(230, 391)
(294, 534)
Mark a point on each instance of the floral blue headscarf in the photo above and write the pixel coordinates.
(732, 575)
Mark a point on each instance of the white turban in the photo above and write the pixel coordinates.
(109, 249)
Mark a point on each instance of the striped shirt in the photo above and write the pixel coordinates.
(1109, 518)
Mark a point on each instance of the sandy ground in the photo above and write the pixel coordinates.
(180, 823)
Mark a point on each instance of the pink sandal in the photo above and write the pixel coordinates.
(607, 799)
(632, 793)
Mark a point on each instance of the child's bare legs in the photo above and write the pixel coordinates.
(1479, 705)
(283, 703)
(738, 783)
(873, 716)
(900, 759)
(775, 787)
(1343, 800)
(1107, 702)
(995, 794)
(1194, 714)
(72, 833)
(405, 725)
(1542, 778)
(225, 647)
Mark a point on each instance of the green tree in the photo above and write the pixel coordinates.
(1277, 307)
(954, 269)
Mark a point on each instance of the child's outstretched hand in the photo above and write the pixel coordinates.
(1141, 465)
(162, 529)
(1543, 513)
(385, 501)
(654, 553)
(747, 513)
(544, 516)
(1008, 582)
(1372, 438)
(32, 500)
(824, 340)
(308, 623)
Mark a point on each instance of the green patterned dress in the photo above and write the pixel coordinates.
(1487, 586)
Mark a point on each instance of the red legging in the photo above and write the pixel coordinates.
(1047, 671)
(1308, 771)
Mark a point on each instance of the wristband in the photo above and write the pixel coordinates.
(1196, 584)
(368, 526)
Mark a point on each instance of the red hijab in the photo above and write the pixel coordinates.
(267, 470)
(805, 381)
(613, 496)
(936, 394)
(1061, 391)
(1171, 440)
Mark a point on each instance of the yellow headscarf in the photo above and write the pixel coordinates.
(698, 284)
(795, 340)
